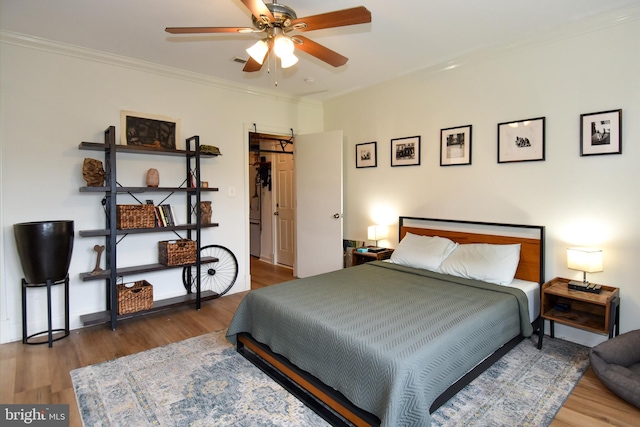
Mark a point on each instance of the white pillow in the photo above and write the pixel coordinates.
(422, 251)
(490, 263)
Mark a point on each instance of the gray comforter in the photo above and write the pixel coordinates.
(390, 338)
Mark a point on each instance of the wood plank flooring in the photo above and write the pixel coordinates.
(38, 374)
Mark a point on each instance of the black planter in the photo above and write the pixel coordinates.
(45, 249)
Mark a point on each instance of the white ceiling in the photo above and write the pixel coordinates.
(403, 36)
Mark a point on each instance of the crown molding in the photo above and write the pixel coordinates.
(567, 31)
(37, 43)
(575, 29)
(594, 24)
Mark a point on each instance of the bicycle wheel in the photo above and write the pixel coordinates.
(217, 275)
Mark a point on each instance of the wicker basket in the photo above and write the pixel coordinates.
(177, 252)
(135, 216)
(136, 296)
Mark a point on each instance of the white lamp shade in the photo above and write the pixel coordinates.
(288, 60)
(377, 232)
(258, 51)
(282, 46)
(585, 259)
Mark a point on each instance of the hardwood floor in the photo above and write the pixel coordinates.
(38, 374)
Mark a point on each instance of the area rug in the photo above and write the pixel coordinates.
(526, 387)
(203, 381)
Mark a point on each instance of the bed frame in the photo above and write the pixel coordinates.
(336, 408)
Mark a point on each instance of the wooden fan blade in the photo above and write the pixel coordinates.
(252, 65)
(198, 30)
(339, 18)
(259, 9)
(321, 52)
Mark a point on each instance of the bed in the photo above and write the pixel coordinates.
(387, 343)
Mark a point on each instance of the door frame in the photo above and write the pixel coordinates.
(251, 127)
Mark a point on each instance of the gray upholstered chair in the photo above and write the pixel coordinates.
(616, 362)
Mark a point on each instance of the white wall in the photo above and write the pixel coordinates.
(581, 200)
(54, 97)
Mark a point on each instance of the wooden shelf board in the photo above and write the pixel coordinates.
(106, 232)
(97, 146)
(559, 288)
(105, 316)
(145, 189)
(136, 269)
(578, 319)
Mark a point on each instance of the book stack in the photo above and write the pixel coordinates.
(165, 216)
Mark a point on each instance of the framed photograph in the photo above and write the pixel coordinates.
(521, 141)
(149, 131)
(405, 151)
(455, 146)
(600, 133)
(366, 155)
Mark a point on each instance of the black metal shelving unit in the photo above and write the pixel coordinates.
(193, 192)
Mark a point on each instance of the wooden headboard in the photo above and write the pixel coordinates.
(531, 265)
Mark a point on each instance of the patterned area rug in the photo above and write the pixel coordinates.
(526, 387)
(202, 381)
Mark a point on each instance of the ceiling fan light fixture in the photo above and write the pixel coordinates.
(288, 60)
(282, 46)
(258, 51)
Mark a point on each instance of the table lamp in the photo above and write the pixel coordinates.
(585, 260)
(375, 233)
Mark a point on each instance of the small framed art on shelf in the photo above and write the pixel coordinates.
(455, 146)
(149, 130)
(366, 155)
(405, 151)
(521, 141)
(600, 133)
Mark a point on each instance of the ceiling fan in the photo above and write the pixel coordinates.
(276, 21)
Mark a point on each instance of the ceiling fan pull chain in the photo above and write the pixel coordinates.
(275, 71)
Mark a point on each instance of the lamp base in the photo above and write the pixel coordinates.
(584, 287)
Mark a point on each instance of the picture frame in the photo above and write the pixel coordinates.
(521, 140)
(367, 155)
(455, 146)
(149, 130)
(405, 151)
(601, 133)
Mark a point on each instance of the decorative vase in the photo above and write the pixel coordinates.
(45, 249)
(153, 178)
(93, 173)
(205, 212)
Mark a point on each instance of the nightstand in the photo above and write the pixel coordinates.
(599, 313)
(358, 258)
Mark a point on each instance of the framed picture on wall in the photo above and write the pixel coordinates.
(455, 146)
(600, 133)
(366, 155)
(521, 141)
(405, 151)
(149, 130)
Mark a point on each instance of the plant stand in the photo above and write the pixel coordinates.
(49, 283)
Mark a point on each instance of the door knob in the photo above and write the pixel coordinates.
(337, 216)
(276, 213)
